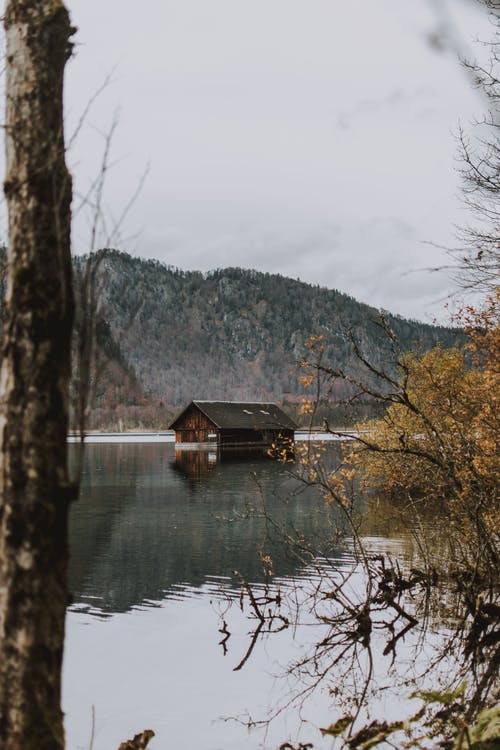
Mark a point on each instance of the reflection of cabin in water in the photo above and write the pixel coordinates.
(195, 464)
(233, 423)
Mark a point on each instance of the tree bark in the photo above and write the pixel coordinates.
(34, 487)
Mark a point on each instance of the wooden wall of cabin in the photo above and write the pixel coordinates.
(240, 437)
(254, 437)
(195, 427)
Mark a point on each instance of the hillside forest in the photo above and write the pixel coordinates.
(165, 336)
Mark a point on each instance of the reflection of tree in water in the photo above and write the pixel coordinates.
(398, 622)
(141, 531)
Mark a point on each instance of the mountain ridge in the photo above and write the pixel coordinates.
(169, 336)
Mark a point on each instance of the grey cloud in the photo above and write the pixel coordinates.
(236, 104)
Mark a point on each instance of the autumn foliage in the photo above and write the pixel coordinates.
(439, 438)
(431, 463)
(438, 441)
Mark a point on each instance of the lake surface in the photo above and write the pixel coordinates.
(155, 540)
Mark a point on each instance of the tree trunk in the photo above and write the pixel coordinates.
(34, 487)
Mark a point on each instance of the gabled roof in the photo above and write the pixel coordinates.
(242, 415)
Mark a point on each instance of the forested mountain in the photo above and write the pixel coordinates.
(166, 336)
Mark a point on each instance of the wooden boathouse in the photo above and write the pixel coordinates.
(233, 423)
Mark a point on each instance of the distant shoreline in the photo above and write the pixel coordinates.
(162, 436)
(168, 436)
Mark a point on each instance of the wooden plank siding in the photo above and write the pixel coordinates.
(253, 437)
(195, 428)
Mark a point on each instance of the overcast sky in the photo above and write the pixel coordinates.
(313, 138)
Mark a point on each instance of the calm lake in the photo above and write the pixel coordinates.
(155, 541)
